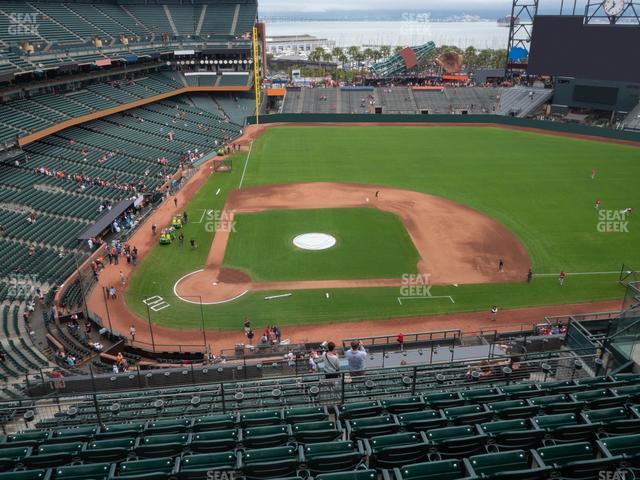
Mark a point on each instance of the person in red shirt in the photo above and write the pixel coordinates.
(400, 340)
(562, 277)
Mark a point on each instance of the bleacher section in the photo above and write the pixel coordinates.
(24, 116)
(543, 420)
(65, 32)
(522, 102)
(632, 120)
(405, 100)
(64, 178)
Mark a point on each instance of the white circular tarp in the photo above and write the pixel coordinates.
(314, 241)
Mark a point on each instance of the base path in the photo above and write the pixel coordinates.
(456, 244)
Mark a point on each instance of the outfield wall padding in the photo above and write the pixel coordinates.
(568, 128)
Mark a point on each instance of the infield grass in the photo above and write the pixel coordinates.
(369, 244)
(537, 185)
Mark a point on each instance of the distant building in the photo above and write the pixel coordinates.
(297, 44)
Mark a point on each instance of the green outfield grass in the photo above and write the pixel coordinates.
(370, 244)
(537, 185)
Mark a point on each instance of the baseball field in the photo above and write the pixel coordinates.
(452, 201)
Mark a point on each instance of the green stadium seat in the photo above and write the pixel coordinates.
(520, 390)
(76, 434)
(10, 456)
(481, 395)
(198, 466)
(575, 460)
(214, 441)
(305, 414)
(268, 436)
(270, 462)
(566, 427)
(27, 475)
(96, 471)
(348, 411)
(627, 446)
(457, 441)
(421, 421)
(394, 451)
(601, 398)
(214, 422)
(560, 386)
(557, 403)
(167, 426)
(54, 455)
(162, 445)
(371, 426)
(28, 439)
(443, 400)
(515, 465)
(439, 470)
(355, 475)
(513, 409)
(630, 391)
(626, 377)
(259, 418)
(616, 420)
(112, 450)
(332, 456)
(512, 434)
(120, 430)
(315, 432)
(468, 414)
(403, 404)
(151, 469)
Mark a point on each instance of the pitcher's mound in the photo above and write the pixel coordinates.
(314, 241)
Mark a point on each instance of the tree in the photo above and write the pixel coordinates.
(353, 52)
(316, 55)
(336, 52)
(385, 51)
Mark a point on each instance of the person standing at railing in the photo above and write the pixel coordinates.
(356, 357)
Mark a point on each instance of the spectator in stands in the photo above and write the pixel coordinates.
(115, 368)
(277, 333)
(356, 357)
(331, 362)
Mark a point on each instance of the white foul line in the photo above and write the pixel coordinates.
(575, 273)
(245, 164)
(422, 298)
